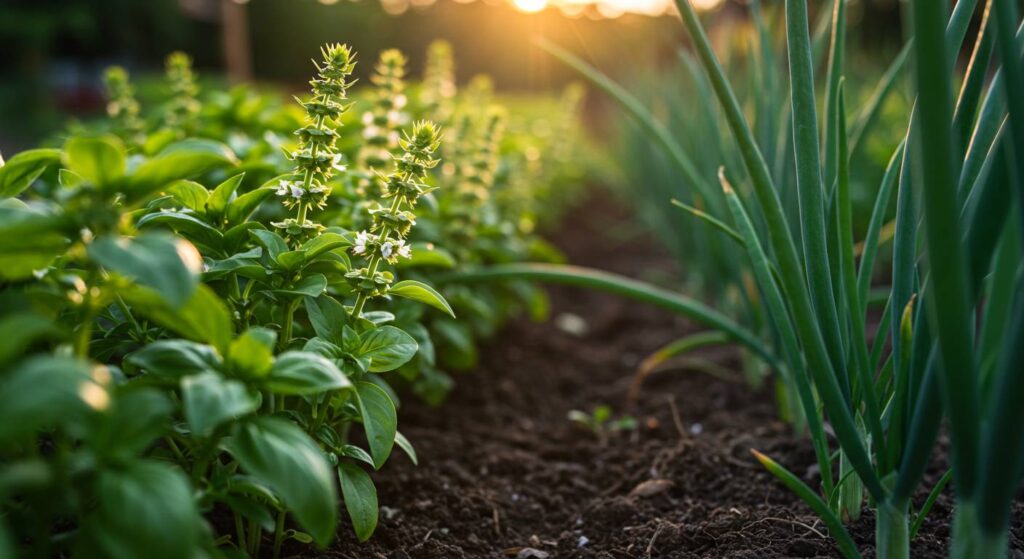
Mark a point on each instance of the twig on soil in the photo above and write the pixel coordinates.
(650, 545)
(807, 527)
(676, 419)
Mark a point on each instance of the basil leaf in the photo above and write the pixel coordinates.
(24, 168)
(169, 266)
(283, 457)
(175, 358)
(387, 347)
(419, 291)
(302, 372)
(210, 400)
(100, 160)
(360, 498)
(380, 420)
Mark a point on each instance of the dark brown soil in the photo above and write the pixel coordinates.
(504, 473)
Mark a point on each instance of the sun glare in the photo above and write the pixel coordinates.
(531, 6)
(609, 8)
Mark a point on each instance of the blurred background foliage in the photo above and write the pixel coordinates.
(54, 51)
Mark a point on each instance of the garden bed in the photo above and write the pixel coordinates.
(503, 471)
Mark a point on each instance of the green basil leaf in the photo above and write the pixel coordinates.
(221, 196)
(407, 447)
(127, 524)
(324, 242)
(360, 498)
(327, 316)
(282, 456)
(309, 286)
(387, 347)
(45, 391)
(291, 260)
(24, 168)
(189, 226)
(181, 160)
(272, 242)
(244, 205)
(210, 399)
(175, 358)
(419, 291)
(380, 420)
(354, 452)
(252, 353)
(204, 318)
(100, 160)
(168, 265)
(29, 240)
(18, 330)
(190, 194)
(133, 422)
(302, 372)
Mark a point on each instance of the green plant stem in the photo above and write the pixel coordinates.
(892, 536)
(357, 309)
(239, 531)
(970, 540)
(289, 320)
(278, 534)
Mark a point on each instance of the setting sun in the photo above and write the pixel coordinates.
(531, 6)
(609, 8)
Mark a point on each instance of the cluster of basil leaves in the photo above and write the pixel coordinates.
(146, 376)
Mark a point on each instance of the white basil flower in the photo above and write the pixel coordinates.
(402, 249)
(336, 163)
(386, 249)
(360, 245)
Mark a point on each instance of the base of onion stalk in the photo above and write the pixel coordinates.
(971, 540)
(851, 492)
(892, 531)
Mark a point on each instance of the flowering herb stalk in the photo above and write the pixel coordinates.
(381, 123)
(385, 241)
(438, 92)
(316, 159)
(122, 108)
(183, 106)
(474, 179)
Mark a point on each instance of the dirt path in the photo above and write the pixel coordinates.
(503, 472)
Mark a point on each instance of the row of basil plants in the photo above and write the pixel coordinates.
(208, 300)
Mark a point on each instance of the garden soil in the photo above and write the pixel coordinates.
(504, 473)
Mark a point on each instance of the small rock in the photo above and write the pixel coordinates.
(571, 324)
(652, 487)
(532, 553)
(582, 542)
(696, 429)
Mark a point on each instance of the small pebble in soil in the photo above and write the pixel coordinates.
(582, 542)
(532, 553)
(572, 324)
(651, 487)
(696, 429)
